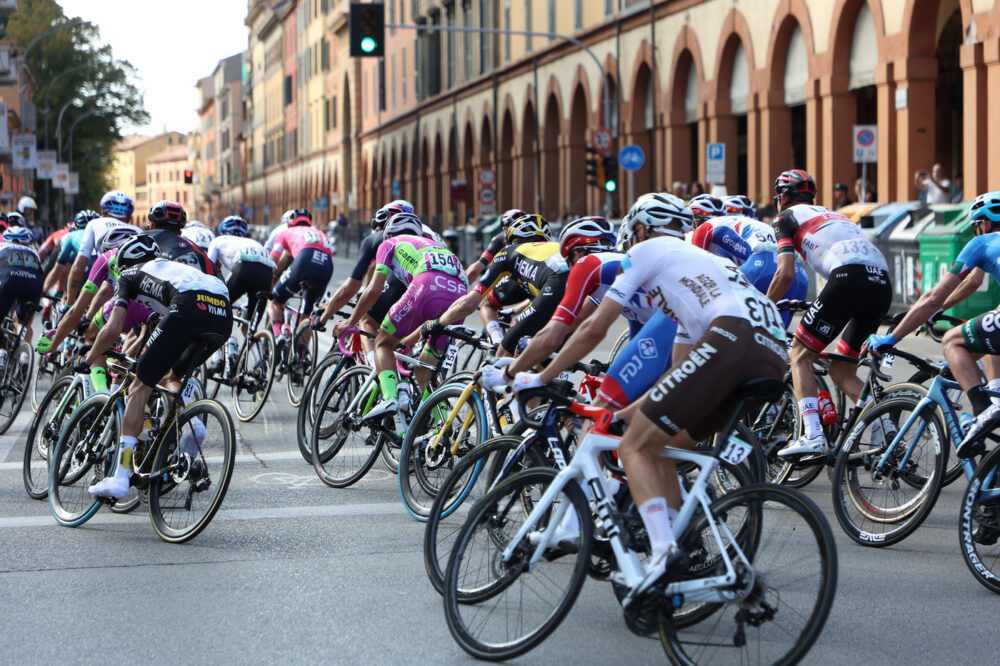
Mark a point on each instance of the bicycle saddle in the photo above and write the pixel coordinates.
(762, 388)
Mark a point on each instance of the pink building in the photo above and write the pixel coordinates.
(165, 180)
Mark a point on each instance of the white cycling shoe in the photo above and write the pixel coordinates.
(815, 446)
(113, 487)
(194, 434)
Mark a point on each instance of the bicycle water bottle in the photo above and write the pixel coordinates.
(828, 413)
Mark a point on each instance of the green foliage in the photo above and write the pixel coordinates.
(72, 67)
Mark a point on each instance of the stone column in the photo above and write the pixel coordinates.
(775, 143)
(991, 53)
(814, 133)
(915, 123)
(755, 149)
(839, 114)
(677, 150)
(886, 185)
(722, 128)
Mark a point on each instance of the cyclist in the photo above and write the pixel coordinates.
(704, 207)
(55, 281)
(167, 219)
(749, 244)
(497, 243)
(199, 234)
(303, 251)
(730, 333)
(191, 304)
(20, 276)
(117, 208)
(856, 296)
(536, 265)
(434, 280)
(978, 337)
(286, 217)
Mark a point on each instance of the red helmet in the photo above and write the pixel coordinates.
(795, 185)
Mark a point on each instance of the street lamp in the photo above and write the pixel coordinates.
(69, 151)
(45, 90)
(59, 123)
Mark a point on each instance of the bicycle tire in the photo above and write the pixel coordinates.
(422, 471)
(174, 494)
(254, 375)
(355, 446)
(42, 379)
(979, 523)
(869, 504)
(468, 483)
(311, 396)
(772, 557)
(504, 503)
(84, 454)
(620, 342)
(300, 370)
(16, 382)
(43, 433)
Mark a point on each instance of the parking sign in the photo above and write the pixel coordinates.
(715, 163)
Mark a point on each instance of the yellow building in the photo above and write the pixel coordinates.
(131, 155)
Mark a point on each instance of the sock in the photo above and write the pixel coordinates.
(994, 385)
(979, 398)
(99, 377)
(657, 521)
(387, 380)
(809, 409)
(124, 467)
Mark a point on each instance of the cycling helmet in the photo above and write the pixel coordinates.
(705, 207)
(508, 217)
(985, 208)
(26, 203)
(795, 186)
(449, 233)
(738, 204)
(17, 234)
(591, 234)
(301, 217)
(118, 205)
(168, 214)
(81, 219)
(136, 250)
(15, 219)
(234, 225)
(658, 212)
(404, 223)
(404, 204)
(385, 213)
(287, 216)
(115, 237)
(195, 224)
(528, 227)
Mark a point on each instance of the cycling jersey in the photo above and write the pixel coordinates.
(408, 256)
(231, 251)
(269, 243)
(497, 243)
(158, 283)
(734, 237)
(96, 231)
(531, 265)
(200, 236)
(826, 240)
(693, 287)
(980, 252)
(54, 239)
(295, 239)
(369, 249)
(70, 246)
(181, 250)
(17, 257)
(20, 277)
(591, 277)
(100, 271)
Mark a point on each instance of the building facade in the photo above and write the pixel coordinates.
(132, 153)
(165, 180)
(780, 82)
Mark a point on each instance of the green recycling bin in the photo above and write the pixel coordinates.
(940, 245)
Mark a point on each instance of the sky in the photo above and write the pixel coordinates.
(171, 44)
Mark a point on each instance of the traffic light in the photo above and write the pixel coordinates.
(367, 29)
(595, 168)
(609, 174)
(188, 176)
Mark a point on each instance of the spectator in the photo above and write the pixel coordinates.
(697, 189)
(864, 190)
(958, 190)
(937, 187)
(840, 198)
(677, 189)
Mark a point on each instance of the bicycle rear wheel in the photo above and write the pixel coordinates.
(254, 375)
(43, 433)
(499, 610)
(782, 601)
(196, 473)
(302, 358)
(16, 380)
(979, 524)
(46, 373)
(326, 370)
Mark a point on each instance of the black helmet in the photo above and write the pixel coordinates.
(136, 250)
(168, 214)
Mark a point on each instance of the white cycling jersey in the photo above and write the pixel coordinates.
(95, 232)
(233, 250)
(200, 236)
(269, 243)
(825, 239)
(692, 287)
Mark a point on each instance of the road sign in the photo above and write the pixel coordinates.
(396, 187)
(631, 157)
(459, 190)
(322, 203)
(865, 144)
(715, 164)
(487, 195)
(602, 140)
(487, 177)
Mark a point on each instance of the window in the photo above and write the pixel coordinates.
(324, 47)
(506, 26)
(333, 111)
(451, 46)
(402, 77)
(381, 84)
(527, 25)
(609, 7)
(392, 76)
(467, 36)
(177, 195)
(326, 115)
(484, 43)
(288, 90)
(392, 17)
(552, 17)
(578, 15)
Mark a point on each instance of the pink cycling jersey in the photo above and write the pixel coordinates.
(99, 272)
(408, 256)
(295, 239)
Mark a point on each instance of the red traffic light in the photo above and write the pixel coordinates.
(188, 176)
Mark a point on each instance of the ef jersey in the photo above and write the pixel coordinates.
(231, 251)
(531, 265)
(825, 239)
(295, 239)
(157, 283)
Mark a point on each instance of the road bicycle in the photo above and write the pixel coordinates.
(17, 361)
(754, 581)
(979, 522)
(295, 359)
(182, 464)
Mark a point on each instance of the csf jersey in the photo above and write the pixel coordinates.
(233, 250)
(735, 237)
(200, 236)
(181, 250)
(981, 252)
(590, 278)
(408, 256)
(159, 283)
(530, 265)
(692, 287)
(295, 239)
(96, 231)
(826, 240)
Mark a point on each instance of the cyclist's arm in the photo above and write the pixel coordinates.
(71, 318)
(283, 262)
(783, 277)
(584, 339)
(460, 309)
(76, 273)
(473, 272)
(55, 278)
(347, 289)
(103, 294)
(107, 336)
(969, 285)
(367, 299)
(926, 305)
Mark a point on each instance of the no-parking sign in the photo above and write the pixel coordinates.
(865, 144)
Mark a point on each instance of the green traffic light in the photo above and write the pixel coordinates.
(610, 186)
(368, 44)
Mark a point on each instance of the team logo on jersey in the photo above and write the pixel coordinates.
(824, 328)
(647, 348)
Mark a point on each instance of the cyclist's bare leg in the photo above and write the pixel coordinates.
(961, 361)
(801, 359)
(845, 375)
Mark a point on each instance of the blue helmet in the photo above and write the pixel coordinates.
(738, 204)
(985, 208)
(234, 225)
(81, 219)
(17, 235)
(118, 205)
(402, 203)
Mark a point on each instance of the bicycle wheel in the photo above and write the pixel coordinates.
(16, 380)
(184, 498)
(779, 604)
(619, 345)
(41, 381)
(43, 434)
(302, 359)
(467, 484)
(881, 503)
(254, 375)
(499, 610)
(979, 523)
(326, 370)
(426, 457)
(343, 447)
(83, 455)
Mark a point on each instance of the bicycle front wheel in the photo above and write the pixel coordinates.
(785, 585)
(343, 447)
(16, 380)
(979, 525)
(194, 473)
(500, 609)
(254, 375)
(43, 434)
(326, 371)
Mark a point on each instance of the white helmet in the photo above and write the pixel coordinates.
(25, 203)
(287, 216)
(404, 223)
(195, 224)
(658, 212)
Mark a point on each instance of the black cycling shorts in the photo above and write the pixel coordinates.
(19, 286)
(312, 266)
(192, 314)
(392, 291)
(982, 334)
(855, 297)
(536, 315)
(506, 292)
(248, 278)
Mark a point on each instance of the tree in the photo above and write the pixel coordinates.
(71, 66)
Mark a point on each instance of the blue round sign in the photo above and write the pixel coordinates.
(866, 137)
(631, 157)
